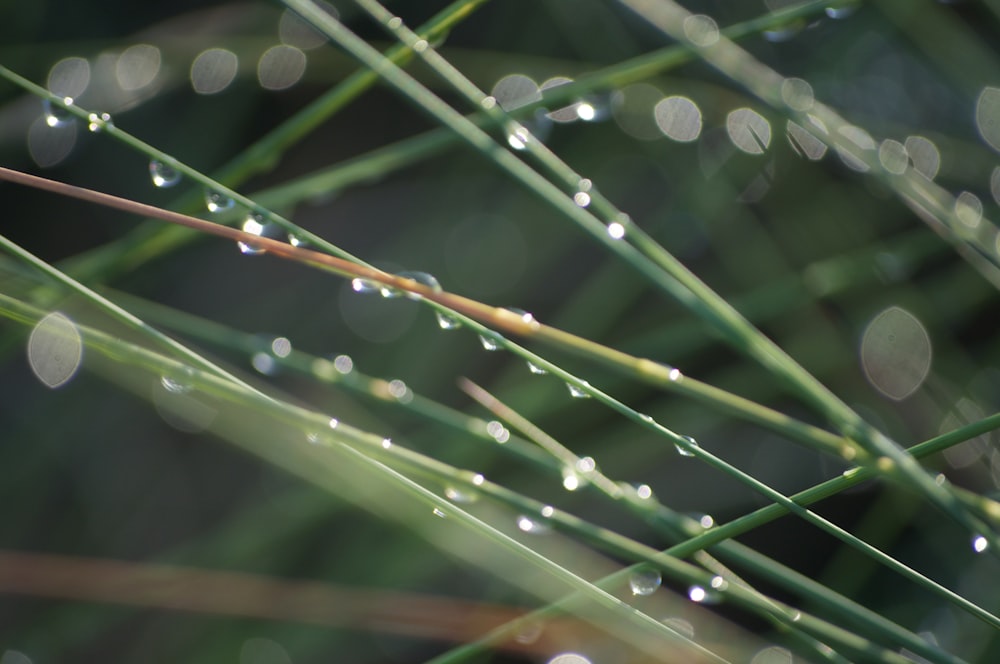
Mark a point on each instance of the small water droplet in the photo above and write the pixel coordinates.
(163, 175)
(296, 241)
(616, 230)
(706, 521)
(256, 225)
(446, 322)
(56, 115)
(420, 45)
(216, 202)
(647, 418)
(586, 465)
(399, 391)
(488, 102)
(644, 491)
(644, 581)
(578, 392)
(439, 513)
(97, 122)
(489, 343)
(394, 23)
(176, 384)
(343, 364)
(497, 431)
(980, 544)
(518, 136)
(313, 438)
(786, 32)
(457, 495)
(674, 374)
(478, 479)
(683, 451)
(264, 363)
(843, 9)
(386, 443)
(581, 198)
(334, 423)
(528, 525)
(423, 279)
(359, 285)
(701, 595)
(570, 480)
(535, 369)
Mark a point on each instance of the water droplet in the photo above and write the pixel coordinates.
(578, 392)
(457, 495)
(420, 45)
(334, 423)
(980, 544)
(644, 492)
(644, 581)
(701, 30)
(399, 391)
(55, 349)
(488, 102)
(535, 369)
(98, 122)
(497, 431)
(296, 241)
(256, 225)
(969, 209)
(359, 285)
(56, 115)
(701, 595)
(843, 9)
(423, 279)
(529, 632)
(343, 364)
(586, 465)
(785, 32)
(177, 384)
(386, 443)
(489, 343)
(683, 451)
(518, 136)
(528, 525)
(394, 23)
(163, 175)
(570, 480)
(439, 513)
(217, 202)
(581, 198)
(706, 521)
(616, 230)
(446, 322)
(264, 363)
(674, 374)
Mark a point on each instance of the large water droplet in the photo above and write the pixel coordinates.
(644, 581)
(216, 202)
(97, 122)
(578, 392)
(178, 382)
(163, 175)
(256, 225)
(683, 451)
(56, 115)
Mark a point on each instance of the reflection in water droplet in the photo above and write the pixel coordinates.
(702, 595)
(577, 392)
(701, 30)
(55, 350)
(924, 155)
(893, 157)
(896, 353)
(678, 118)
(797, 93)
(296, 241)
(980, 544)
(163, 175)
(359, 285)
(674, 374)
(586, 465)
(216, 202)
(644, 581)
(56, 115)
(99, 122)
(176, 401)
(969, 209)
(686, 451)
(457, 495)
(748, 130)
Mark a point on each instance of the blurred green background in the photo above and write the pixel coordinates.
(807, 247)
